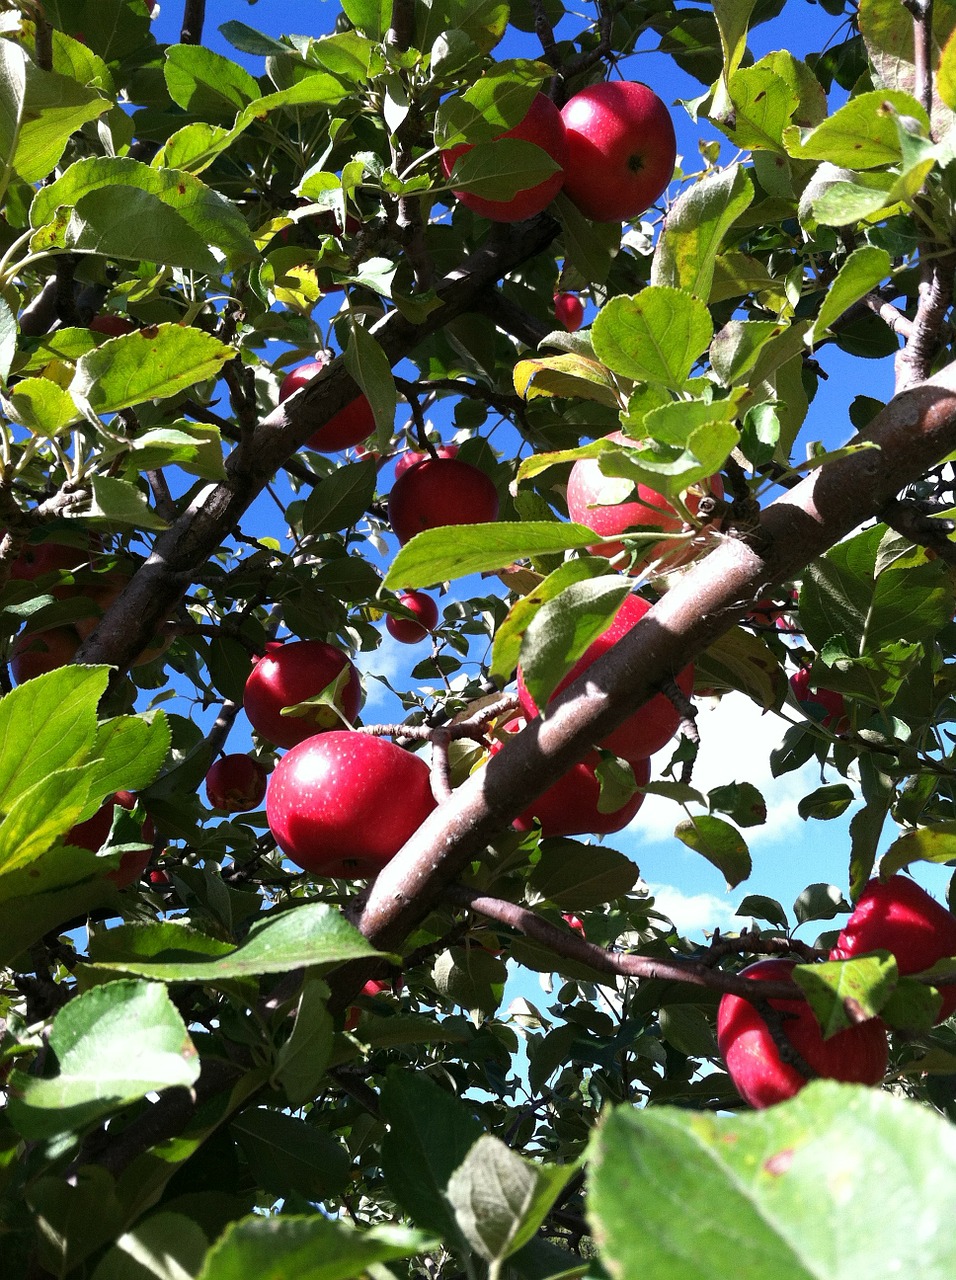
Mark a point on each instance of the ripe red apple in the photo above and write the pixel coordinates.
(898, 916)
(159, 878)
(651, 726)
(343, 803)
(569, 807)
(409, 630)
(236, 783)
(621, 149)
(291, 672)
(832, 702)
(573, 923)
(543, 126)
(411, 457)
(37, 652)
(857, 1055)
(92, 835)
(593, 503)
(374, 987)
(350, 426)
(49, 556)
(112, 326)
(437, 492)
(569, 311)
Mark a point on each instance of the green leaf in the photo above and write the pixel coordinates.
(826, 802)
(862, 271)
(740, 660)
(430, 1131)
(688, 1029)
(206, 83)
(740, 801)
(308, 1248)
(454, 551)
(654, 336)
(571, 376)
(131, 751)
(125, 222)
(473, 979)
(74, 1217)
(589, 246)
(936, 843)
(763, 104)
(340, 499)
(720, 843)
(230, 666)
(287, 1156)
(43, 814)
(862, 134)
(500, 1199)
(308, 934)
(172, 1242)
(302, 1060)
(113, 1044)
(116, 504)
(499, 170)
(837, 989)
(8, 339)
(497, 101)
(369, 366)
(564, 627)
(820, 902)
(757, 906)
(151, 364)
(580, 877)
(506, 647)
(195, 447)
(41, 406)
(764, 1185)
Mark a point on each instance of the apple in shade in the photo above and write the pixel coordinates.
(112, 326)
(835, 717)
(857, 1055)
(236, 783)
(569, 807)
(593, 501)
(569, 311)
(343, 803)
(294, 671)
(651, 726)
(350, 426)
(621, 150)
(51, 556)
(899, 916)
(35, 653)
(438, 492)
(92, 834)
(374, 987)
(411, 457)
(411, 630)
(543, 126)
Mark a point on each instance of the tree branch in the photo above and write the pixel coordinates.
(194, 15)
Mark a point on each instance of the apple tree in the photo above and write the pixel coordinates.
(284, 373)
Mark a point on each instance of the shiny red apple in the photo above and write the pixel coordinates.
(343, 803)
(829, 700)
(236, 783)
(651, 726)
(569, 311)
(411, 457)
(857, 1055)
(543, 126)
(411, 630)
(294, 671)
(437, 492)
(350, 426)
(899, 916)
(621, 149)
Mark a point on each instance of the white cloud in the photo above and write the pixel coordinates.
(695, 913)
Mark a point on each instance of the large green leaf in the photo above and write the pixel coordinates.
(862, 271)
(454, 551)
(290, 1157)
(206, 83)
(306, 1248)
(655, 336)
(862, 134)
(151, 364)
(787, 1192)
(696, 225)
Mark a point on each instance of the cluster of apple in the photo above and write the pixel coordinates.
(894, 915)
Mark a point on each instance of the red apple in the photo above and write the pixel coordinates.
(291, 672)
(92, 835)
(593, 503)
(831, 702)
(543, 126)
(374, 987)
(159, 878)
(621, 150)
(37, 652)
(343, 803)
(350, 426)
(437, 492)
(112, 326)
(651, 726)
(569, 807)
(857, 1055)
(898, 916)
(411, 630)
(411, 457)
(573, 923)
(49, 556)
(569, 311)
(236, 783)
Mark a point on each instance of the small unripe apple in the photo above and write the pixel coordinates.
(569, 807)
(343, 803)
(236, 783)
(621, 149)
(92, 834)
(437, 492)
(411, 630)
(857, 1055)
(832, 702)
(350, 426)
(593, 502)
(35, 653)
(411, 457)
(899, 916)
(569, 311)
(543, 126)
(651, 726)
(291, 672)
